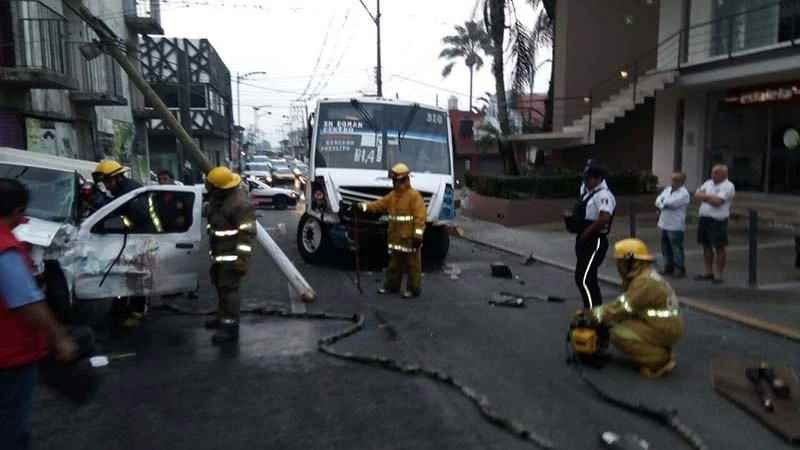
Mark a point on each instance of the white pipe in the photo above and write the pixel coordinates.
(293, 276)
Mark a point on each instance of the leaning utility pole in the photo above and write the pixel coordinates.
(110, 43)
(377, 20)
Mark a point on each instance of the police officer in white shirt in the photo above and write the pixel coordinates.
(591, 244)
(716, 196)
(672, 204)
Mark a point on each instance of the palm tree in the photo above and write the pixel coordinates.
(523, 44)
(468, 42)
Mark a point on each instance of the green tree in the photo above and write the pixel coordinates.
(467, 44)
(499, 15)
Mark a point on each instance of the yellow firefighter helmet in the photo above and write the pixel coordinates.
(632, 249)
(399, 171)
(108, 168)
(223, 178)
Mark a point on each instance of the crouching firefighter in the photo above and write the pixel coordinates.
(645, 321)
(231, 229)
(407, 213)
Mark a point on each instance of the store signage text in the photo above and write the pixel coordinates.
(767, 95)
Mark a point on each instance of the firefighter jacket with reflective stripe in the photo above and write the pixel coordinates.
(647, 298)
(406, 212)
(231, 228)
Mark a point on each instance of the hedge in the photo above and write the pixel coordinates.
(555, 184)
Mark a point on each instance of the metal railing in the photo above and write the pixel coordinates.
(100, 75)
(38, 37)
(763, 28)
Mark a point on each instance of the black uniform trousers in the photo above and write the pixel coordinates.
(590, 255)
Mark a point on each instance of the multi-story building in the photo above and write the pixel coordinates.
(195, 84)
(58, 94)
(735, 96)
(667, 85)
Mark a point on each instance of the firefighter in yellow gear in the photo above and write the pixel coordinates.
(645, 321)
(407, 213)
(231, 231)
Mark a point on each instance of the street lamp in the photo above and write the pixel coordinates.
(256, 115)
(239, 78)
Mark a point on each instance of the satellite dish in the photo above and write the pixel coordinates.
(791, 139)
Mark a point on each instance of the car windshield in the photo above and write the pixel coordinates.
(351, 135)
(52, 192)
(263, 167)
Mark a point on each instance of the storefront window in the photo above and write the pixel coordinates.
(748, 135)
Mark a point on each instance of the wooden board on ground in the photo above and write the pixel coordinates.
(729, 380)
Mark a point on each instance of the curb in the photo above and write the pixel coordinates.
(695, 304)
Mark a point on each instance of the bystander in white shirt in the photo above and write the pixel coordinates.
(725, 190)
(673, 204)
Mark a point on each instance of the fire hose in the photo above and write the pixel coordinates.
(325, 346)
(667, 417)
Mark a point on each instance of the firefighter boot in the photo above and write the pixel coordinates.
(228, 332)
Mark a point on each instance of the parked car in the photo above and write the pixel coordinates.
(81, 253)
(262, 194)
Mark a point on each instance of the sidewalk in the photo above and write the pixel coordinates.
(776, 308)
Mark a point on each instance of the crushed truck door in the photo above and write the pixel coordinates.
(147, 242)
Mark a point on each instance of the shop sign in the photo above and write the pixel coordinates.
(765, 95)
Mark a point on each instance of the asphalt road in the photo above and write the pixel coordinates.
(274, 390)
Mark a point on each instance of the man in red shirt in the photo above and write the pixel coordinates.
(28, 329)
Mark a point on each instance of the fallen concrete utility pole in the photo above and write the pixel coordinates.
(110, 43)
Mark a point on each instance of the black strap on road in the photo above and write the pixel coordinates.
(666, 417)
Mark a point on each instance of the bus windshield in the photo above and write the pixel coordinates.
(365, 135)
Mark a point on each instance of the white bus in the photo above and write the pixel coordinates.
(355, 142)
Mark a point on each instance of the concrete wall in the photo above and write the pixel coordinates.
(664, 128)
(623, 146)
(593, 41)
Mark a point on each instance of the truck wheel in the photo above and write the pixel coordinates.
(436, 244)
(58, 295)
(312, 239)
(280, 202)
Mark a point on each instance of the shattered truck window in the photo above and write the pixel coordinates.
(153, 213)
(351, 136)
(52, 192)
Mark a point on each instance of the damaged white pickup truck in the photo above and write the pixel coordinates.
(81, 254)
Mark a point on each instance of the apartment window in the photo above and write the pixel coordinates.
(168, 94)
(198, 97)
(744, 24)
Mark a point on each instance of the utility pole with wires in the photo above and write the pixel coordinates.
(110, 43)
(376, 18)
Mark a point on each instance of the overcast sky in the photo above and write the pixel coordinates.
(327, 47)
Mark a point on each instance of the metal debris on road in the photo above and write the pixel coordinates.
(452, 271)
(530, 296)
(501, 270)
(500, 299)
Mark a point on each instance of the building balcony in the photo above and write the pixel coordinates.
(144, 16)
(99, 79)
(32, 49)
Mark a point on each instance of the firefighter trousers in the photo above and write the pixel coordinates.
(227, 281)
(400, 264)
(636, 339)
